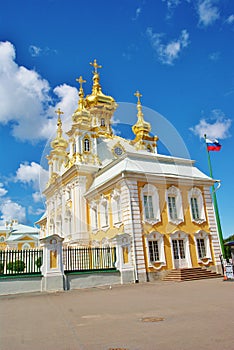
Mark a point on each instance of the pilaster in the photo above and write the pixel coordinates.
(213, 226)
(132, 225)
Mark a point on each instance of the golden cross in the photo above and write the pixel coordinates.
(95, 65)
(138, 95)
(80, 81)
(59, 112)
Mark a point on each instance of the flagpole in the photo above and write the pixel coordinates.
(215, 204)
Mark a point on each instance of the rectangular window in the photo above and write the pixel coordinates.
(201, 248)
(153, 250)
(172, 208)
(178, 248)
(194, 208)
(148, 207)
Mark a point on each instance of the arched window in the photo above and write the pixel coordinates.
(104, 213)
(174, 205)
(150, 203)
(86, 145)
(26, 246)
(155, 247)
(202, 242)
(196, 205)
(103, 123)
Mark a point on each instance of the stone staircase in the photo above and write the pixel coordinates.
(190, 274)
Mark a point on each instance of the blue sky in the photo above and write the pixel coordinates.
(178, 53)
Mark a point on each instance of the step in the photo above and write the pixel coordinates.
(190, 274)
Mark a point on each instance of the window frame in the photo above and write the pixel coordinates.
(205, 260)
(196, 193)
(171, 192)
(159, 238)
(150, 191)
(86, 144)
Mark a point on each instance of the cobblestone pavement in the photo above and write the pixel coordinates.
(146, 316)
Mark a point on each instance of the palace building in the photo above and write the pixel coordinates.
(104, 190)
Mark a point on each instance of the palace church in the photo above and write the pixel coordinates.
(105, 191)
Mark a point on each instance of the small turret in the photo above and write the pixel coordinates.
(58, 154)
(143, 140)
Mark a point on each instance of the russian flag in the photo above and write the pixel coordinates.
(213, 145)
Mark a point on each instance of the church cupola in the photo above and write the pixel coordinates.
(143, 139)
(97, 97)
(58, 155)
(100, 106)
(81, 116)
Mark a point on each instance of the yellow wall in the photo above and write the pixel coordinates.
(166, 228)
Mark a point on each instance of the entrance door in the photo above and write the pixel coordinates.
(179, 253)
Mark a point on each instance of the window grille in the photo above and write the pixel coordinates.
(172, 208)
(153, 250)
(148, 207)
(201, 248)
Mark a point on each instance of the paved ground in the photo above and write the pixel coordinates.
(196, 315)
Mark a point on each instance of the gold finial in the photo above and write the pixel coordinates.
(59, 122)
(138, 95)
(59, 112)
(80, 80)
(95, 65)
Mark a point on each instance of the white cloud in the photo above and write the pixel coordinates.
(230, 19)
(11, 210)
(25, 98)
(207, 11)
(3, 191)
(215, 127)
(34, 50)
(137, 14)
(171, 4)
(32, 174)
(169, 52)
(33, 211)
(37, 197)
(214, 56)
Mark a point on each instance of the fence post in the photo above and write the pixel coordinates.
(124, 261)
(52, 267)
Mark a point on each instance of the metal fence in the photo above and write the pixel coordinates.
(89, 259)
(20, 262)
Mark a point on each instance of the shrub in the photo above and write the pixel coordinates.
(38, 262)
(16, 266)
(1, 267)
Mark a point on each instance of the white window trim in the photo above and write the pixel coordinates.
(203, 235)
(151, 190)
(174, 191)
(26, 246)
(116, 211)
(156, 236)
(196, 193)
(104, 213)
